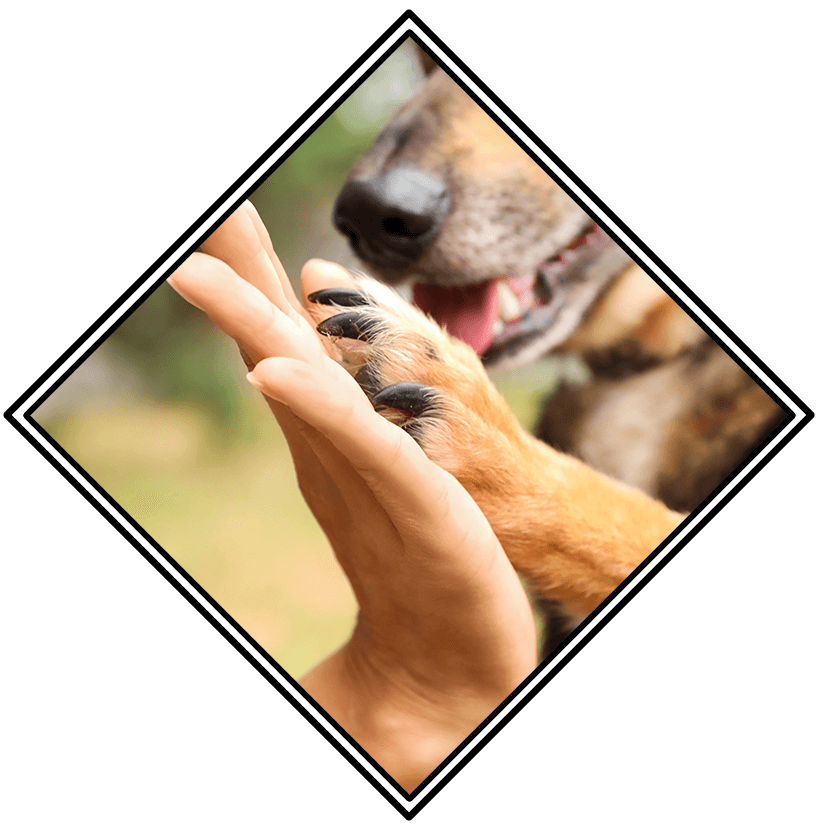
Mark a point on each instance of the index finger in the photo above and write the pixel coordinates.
(266, 243)
(241, 311)
(238, 243)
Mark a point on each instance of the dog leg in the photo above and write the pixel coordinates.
(571, 532)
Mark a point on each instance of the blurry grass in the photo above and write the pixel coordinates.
(231, 515)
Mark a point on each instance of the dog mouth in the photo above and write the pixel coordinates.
(502, 313)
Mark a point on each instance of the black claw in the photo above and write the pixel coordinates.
(408, 396)
(350, 325)
(340, 297)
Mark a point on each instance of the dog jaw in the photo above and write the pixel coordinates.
(559, 297)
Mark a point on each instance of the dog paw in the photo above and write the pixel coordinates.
(419, 377)
(571, 533)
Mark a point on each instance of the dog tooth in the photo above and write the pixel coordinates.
(508, 305)
(498, 327)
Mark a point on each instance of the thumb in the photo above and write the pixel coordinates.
(318, 274)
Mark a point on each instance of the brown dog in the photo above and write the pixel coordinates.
(498, 254)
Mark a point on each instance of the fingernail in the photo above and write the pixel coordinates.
(182, 292)
(253, 379)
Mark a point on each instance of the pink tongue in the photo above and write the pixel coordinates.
(467, 312)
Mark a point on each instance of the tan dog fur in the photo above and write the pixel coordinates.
(571, 532)
(667, 414)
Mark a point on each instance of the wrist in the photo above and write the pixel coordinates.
(408, 733)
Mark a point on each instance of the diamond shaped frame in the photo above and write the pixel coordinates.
(738, 472)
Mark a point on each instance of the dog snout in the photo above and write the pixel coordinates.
(391, 219)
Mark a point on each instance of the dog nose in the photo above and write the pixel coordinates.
(391, 219)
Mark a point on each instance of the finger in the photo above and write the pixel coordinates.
(260, 329)
(266, 243)
(337, 495)
(320, 277)
(314, 460)
(237, 243)
(390, 462)
(243, 312)
(317, 275)
(346, 498)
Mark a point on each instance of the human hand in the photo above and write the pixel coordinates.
(444, 632)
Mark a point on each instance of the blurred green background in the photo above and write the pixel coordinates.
(161, 417)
